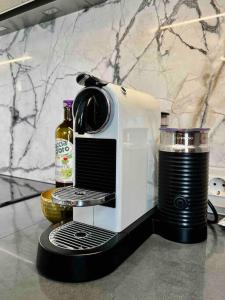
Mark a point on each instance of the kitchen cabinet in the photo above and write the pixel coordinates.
(18, 14)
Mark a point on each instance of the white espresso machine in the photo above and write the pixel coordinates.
(116, 130)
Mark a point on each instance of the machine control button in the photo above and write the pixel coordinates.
(181, 202)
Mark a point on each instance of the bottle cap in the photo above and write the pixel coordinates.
(68, 103)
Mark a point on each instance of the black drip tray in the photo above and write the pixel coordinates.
(76, 252)
(14, 189)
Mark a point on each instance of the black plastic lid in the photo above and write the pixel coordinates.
(91, 110)
(89, 80)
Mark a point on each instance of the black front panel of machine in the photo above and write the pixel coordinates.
(95, 167)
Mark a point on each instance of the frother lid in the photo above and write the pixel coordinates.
(167, 129)
(184, 140)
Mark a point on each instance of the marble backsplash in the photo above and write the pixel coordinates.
(172, 49)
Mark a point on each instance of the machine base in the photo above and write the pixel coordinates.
(84, 265)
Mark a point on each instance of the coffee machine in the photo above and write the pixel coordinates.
(116, 130)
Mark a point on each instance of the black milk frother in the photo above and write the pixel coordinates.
(183, 184)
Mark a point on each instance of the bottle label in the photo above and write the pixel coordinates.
(64, 161)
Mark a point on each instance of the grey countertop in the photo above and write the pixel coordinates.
(159, 269)
(14, 189)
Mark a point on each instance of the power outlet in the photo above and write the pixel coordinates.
(216, 189)
(217, 186)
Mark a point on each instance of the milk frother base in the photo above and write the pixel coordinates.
(179, 234)
(80, 265)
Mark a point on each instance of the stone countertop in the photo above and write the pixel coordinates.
(158, 269)
(14, 189)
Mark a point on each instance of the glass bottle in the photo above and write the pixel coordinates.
(64, 148)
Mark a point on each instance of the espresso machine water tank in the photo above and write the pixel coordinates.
(183, 184)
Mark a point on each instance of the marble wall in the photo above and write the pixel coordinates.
(168, 48)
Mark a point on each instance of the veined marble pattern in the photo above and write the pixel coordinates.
(127, 42)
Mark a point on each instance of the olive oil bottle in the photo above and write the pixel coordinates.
(64, 148)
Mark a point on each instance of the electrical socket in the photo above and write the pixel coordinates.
(216, 189)
(217, 186)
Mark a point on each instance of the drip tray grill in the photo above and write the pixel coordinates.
(73, 196)
(79, 236)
